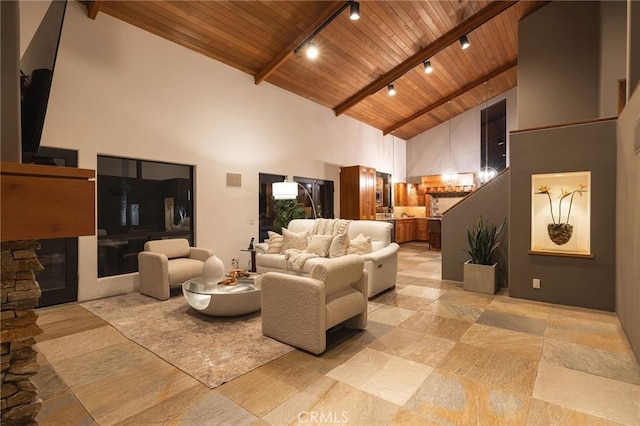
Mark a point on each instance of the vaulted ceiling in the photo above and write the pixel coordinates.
(358, 59)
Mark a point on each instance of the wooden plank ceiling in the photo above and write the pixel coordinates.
(357, 58)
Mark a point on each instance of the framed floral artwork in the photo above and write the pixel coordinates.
(561, 213)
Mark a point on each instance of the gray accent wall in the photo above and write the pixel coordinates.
(613, 54)
(492, 202)
(589, 283)
(559, 64)
(628, 223)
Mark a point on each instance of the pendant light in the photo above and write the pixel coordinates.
(450, 176)
(486, 173)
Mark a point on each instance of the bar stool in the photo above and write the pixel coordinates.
(434, 227)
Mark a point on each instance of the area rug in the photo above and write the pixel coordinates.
(210, 349)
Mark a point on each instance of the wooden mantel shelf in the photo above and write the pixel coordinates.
(40, 202)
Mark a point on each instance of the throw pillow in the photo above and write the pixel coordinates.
(275, 243)
(294, 240)
(360, 245)
(339, 245)
(319, 244)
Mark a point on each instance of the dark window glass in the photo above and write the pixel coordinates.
(266, 206)
(494, 132)
(139, 201)
(320, 191)
(59, 256)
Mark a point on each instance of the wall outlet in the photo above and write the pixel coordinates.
(536, 283)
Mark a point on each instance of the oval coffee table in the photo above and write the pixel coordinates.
(223, 300)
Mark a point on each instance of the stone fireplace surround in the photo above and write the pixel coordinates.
(36, 202)
(19, 296)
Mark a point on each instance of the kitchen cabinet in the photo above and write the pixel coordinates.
(400, 194)
(400, 231)
(411, 229)
(405, 230)
(422, 230)
(358, 193)
(427, 204)
(407, 194)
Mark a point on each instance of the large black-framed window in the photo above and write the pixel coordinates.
(138, 201)
(494, 132)
(321, 192)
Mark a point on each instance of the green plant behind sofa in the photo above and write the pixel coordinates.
(286, 211)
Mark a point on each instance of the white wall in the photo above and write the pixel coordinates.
(428, 153)
(118, 90)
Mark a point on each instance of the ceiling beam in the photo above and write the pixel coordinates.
(93, 7)
(452, 96)
(452, 36)
(288, 51)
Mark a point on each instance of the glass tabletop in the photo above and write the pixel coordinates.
(200, 286)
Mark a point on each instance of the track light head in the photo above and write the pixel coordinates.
(354, 11)
(391, 89)
(464, 42)
(312, 50)
(428, 69)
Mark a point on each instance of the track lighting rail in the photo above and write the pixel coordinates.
(322, 26)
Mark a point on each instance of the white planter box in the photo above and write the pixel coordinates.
(480, 278)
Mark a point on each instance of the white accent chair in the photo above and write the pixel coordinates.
(299, 310)
(166, 263)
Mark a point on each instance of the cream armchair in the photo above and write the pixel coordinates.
(165, 263)
(299, 310)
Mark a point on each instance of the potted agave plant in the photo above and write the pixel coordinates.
(560, 230)
(480, 271)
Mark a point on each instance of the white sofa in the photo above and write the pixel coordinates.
(381, 264)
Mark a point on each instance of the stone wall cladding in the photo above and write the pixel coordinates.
(19, 294)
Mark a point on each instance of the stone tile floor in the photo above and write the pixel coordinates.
(431, 354)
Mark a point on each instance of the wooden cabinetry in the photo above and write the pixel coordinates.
(400, 194)
(401, 231)
(411, 229)
(40, 202)
(408, 194)
(358, 193)
(405, 230)
(422, 230)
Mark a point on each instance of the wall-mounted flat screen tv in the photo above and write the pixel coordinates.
(36, 74)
